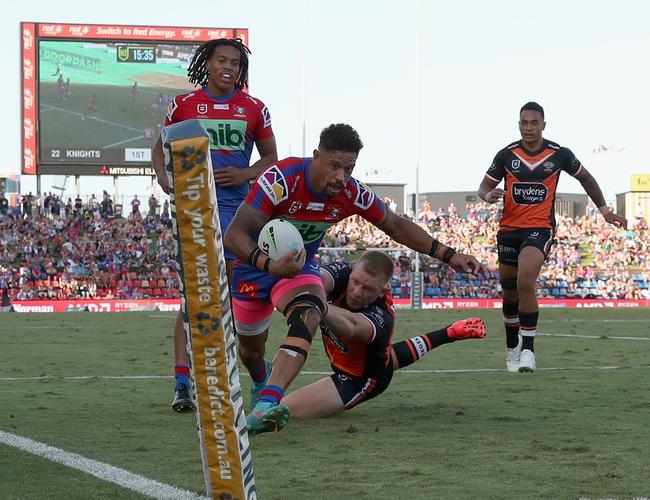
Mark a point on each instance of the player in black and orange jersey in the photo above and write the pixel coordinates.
(357, 330)
(531, 168)
(313, 194)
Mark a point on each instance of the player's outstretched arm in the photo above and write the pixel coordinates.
(348, 324)
(158, 162)
(488, 190)
(594, 192)
(413, 236)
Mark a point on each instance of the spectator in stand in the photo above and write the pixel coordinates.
(153, 205)
(78, 206)
(62, 244)
(27, 205)
(4, 204)
(135, 206)
(165, 211)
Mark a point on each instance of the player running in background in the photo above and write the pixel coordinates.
(531, 168)
(148, 134)
(92, 100)
(235, 122)
(133, 94)
(60, 89)
(67, 91)
(313, 194)
(357, 329)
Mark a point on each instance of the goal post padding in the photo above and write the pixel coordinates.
(205, 304)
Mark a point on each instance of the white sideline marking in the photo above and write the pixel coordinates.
(594, 320)
(26, 327)
(96, 118)
(483, 370)
(604, 337)
(90, 377)
(550, 368)
(445, 370)
(106, 472)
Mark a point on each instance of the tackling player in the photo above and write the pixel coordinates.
(531, 168)
(314, 194)
(357, 329)
(235, 122)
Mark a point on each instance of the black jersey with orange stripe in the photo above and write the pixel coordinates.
(530, 182)
(351, 357)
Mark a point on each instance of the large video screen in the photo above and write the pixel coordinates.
(105, 102)
(94, 97)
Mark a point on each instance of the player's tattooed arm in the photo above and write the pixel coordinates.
(239, 240)
(413, 236)
(408, 233)
(247, 222)
(594, 192)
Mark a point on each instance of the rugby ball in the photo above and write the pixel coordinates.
(278, 237)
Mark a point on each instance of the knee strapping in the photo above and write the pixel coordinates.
(293, 350)
(297, 326)
(306, 300)
(509, 283)
(298, 309)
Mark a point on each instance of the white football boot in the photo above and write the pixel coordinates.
(527, 361)
(513, 357)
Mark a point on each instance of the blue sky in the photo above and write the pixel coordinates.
(586, 62)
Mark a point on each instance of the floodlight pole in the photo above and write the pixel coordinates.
(417, 120)
(304, 74)
(417, 281)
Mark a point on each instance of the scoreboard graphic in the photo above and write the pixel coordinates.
(94, 96)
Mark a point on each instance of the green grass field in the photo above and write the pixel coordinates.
(121, 117)
(455, 425)
(118, 123)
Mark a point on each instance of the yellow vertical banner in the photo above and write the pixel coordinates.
(205, 303)
(640, 182)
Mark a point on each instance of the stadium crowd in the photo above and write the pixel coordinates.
(75, 250)
(55, 250)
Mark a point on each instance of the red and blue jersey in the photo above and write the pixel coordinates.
(234, 124)
(284, 191)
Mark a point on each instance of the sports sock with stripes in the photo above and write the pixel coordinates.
(528, 328)
(410, 350)
(511, 323)
(259, 374)
(271, 394)
(182, 374)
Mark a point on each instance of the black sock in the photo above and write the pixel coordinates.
(511, 323)
(410, 350)
(528, 328)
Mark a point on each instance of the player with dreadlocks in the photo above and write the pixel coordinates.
(235, 121)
